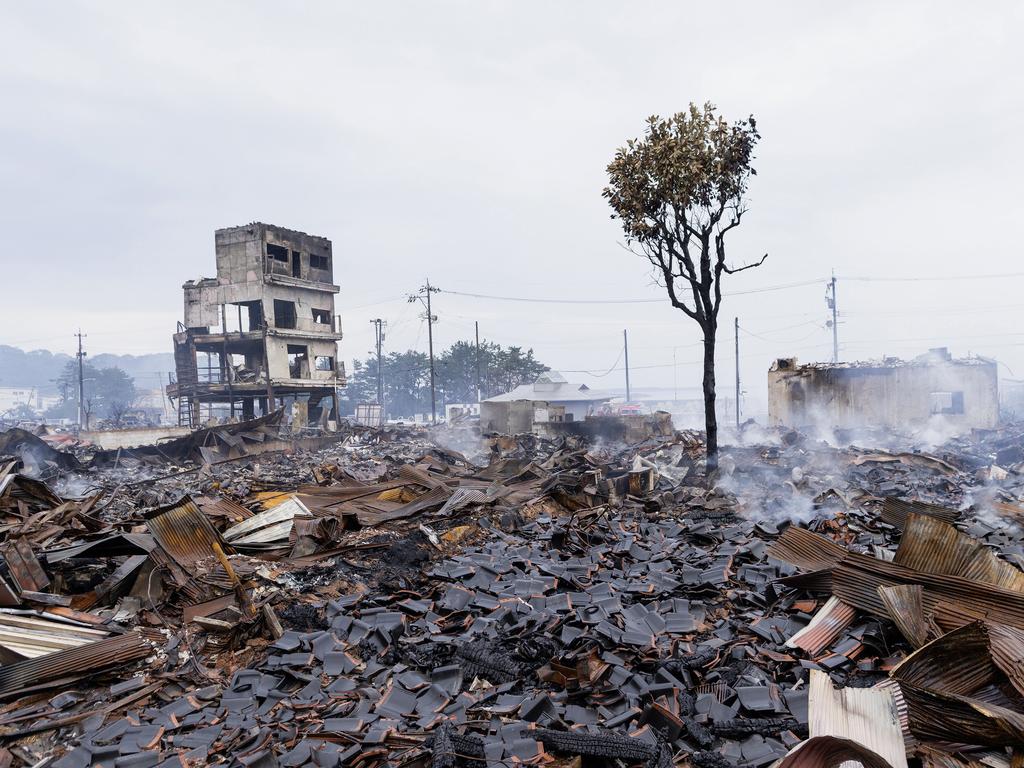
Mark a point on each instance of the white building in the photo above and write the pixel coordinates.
(549, 398)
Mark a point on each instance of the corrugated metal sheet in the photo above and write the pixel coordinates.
(906, 609)
(84, 660)
(29, 635)
(855, 578)
(224, 507)
(828, 623)
(901, 710)
(463, 497)
(270, 527)
(866, 716)
(938, 682)
(895, 511)
(1007, 647)
(856, 582)
(933, 546)
(831, 752)
(414, 474)
(184, 532)
(806, 550)
(25, 569)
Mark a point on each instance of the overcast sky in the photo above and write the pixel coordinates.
(466, 143)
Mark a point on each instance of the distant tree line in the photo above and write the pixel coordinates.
(407, 377)
(109, 393)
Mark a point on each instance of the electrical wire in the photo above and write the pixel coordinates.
(533, 300)
(600, 375)
(917, 279)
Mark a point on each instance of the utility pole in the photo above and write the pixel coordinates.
(675, 377)
(737, 373)
(81, 377)
(425, 291)
(476, 325)
(625, 346)
(378, 328)
(830, 300)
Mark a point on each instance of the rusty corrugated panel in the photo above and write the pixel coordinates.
(413, 474)
(184, 532)
(895, 511)
(857, 580)
(28, 574)
(831, 752)
(806, 550)
(223, 507)
(906, 609)
(933, 546)
(1007, 647)
(940, 680)
(828, 623)
(84, 660)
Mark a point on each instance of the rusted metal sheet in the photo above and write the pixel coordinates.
(225, 508)
(856, 578)
(933, 546)
(807, 550)
(828, 623)
(944, 682)
(84, 660)
(184, 532)
(26, 571)
(895, 511)
(831, 752)
(906, 609)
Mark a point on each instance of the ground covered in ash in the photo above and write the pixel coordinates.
(388, 601)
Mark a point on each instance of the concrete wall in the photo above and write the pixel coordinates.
(112, 439)
(277, 354)
(507, 418)
(241, 253)
(896, 396)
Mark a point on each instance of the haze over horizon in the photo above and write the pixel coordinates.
(466, 143)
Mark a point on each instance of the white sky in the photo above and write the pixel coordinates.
(466, 142)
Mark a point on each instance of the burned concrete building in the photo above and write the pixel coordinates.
(263, 332)
(933, 389)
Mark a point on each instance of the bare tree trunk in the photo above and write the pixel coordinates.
(710, 417)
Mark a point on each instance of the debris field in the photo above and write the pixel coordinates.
(378, 599)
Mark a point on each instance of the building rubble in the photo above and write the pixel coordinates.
(385, 600)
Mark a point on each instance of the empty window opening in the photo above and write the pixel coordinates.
(324, 363)
(284, 313)
(242, 370)
(947, 402)
(277, 252)
(298, 361)
(255, 315)
(296, 264)
(319, 262)
(322, 316)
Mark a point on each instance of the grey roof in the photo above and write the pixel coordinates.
(565, 392)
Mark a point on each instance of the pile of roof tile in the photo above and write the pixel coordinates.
(389, 601)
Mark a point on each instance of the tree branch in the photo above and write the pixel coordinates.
(758, 263)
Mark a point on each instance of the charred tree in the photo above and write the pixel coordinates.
(678, 191)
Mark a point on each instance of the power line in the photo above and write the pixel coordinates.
(919, 278)
(534, 300)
